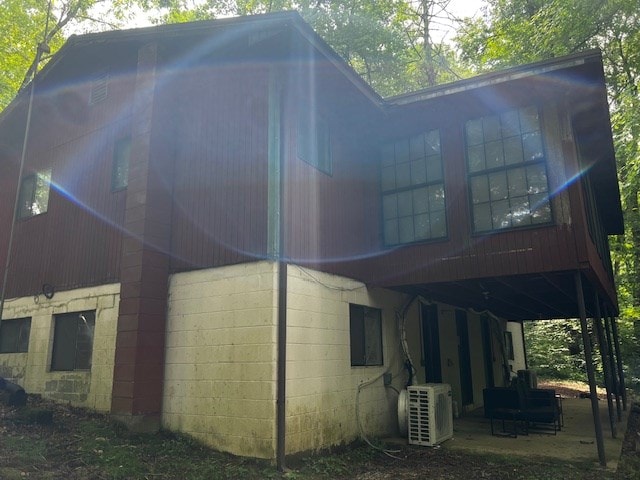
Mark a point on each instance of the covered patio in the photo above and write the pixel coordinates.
(576, 441)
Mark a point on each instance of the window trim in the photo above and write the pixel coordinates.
(359, 345)
(24, 330)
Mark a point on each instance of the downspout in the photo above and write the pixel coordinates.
(275, 236)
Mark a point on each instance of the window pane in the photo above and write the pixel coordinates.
(476, 158)
(84, 342)
(510, 123)
(418, 172)
(501, 215)
(373, 336)
(438, 224)
(64, 342)
(513, 150)
(474, 132)
(494, 154)
(532, 146)
(356, 333)
(9, 336)
(520, 213)
(491, 126)
(27, 194)
(517, 182)
(434, 168)
(421, 225)
(405, 229)
(479, 189)
(432, 140)
(529, 121)
(436, 197)
(416, 147)
(498, 186)
(405, 204)
(25, 331)
(537, 179)
(403, 175)
(41, 200)
(391, 232)
(389, 206)
(420, 201)
(402, 151)
(482, 217)
(540, 208)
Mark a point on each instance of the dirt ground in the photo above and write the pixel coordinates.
(52, 441)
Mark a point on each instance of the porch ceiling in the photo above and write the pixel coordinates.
(522, 297)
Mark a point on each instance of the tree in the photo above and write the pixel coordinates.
(25, 25)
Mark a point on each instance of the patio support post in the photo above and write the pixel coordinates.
(614, 373)
(616, 342)
(590, 372)
(606, 367)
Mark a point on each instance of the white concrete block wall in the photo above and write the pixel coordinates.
(321, 383)
(91, 389)
(220, 362)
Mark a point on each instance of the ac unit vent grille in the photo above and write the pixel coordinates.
(430, 416)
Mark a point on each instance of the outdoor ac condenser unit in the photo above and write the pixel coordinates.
(430, 415)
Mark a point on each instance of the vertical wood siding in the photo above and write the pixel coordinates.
(220, 192)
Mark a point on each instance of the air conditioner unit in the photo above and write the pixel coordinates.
(430, 415)
(529, 377)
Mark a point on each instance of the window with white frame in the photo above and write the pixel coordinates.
(507, 170)
(73, 341)
(365, 328)
(413, 193)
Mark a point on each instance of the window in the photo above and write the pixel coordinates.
(413, 204)
(14, 335)
(121, 155)
(34, 194)
(365, 326)
(314, 141)
(73, 341)
(507, 171)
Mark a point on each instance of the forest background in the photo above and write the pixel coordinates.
(404, 45)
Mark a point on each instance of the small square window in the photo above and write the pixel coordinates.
(73, 341)
(121, 156)
(34, 194)
(14, 335)
(365, 327)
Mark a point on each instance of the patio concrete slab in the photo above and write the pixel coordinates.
(576, 441)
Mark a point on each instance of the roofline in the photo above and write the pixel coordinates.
(495, 78)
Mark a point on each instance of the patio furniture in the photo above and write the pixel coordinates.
(501, 403)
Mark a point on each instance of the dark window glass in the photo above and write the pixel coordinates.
(508, 184)
(34, 194)
(73, 341)
(14, 335)
(365, 327)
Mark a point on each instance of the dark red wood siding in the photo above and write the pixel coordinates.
(77, 241)
(220, 190)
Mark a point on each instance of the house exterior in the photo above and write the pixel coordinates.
(222, 230)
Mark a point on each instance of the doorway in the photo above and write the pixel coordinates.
(464, 358)
(431, 344)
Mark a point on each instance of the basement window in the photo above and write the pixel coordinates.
(73, 341)
(14, 335)
(365, 327)
(34, 194)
